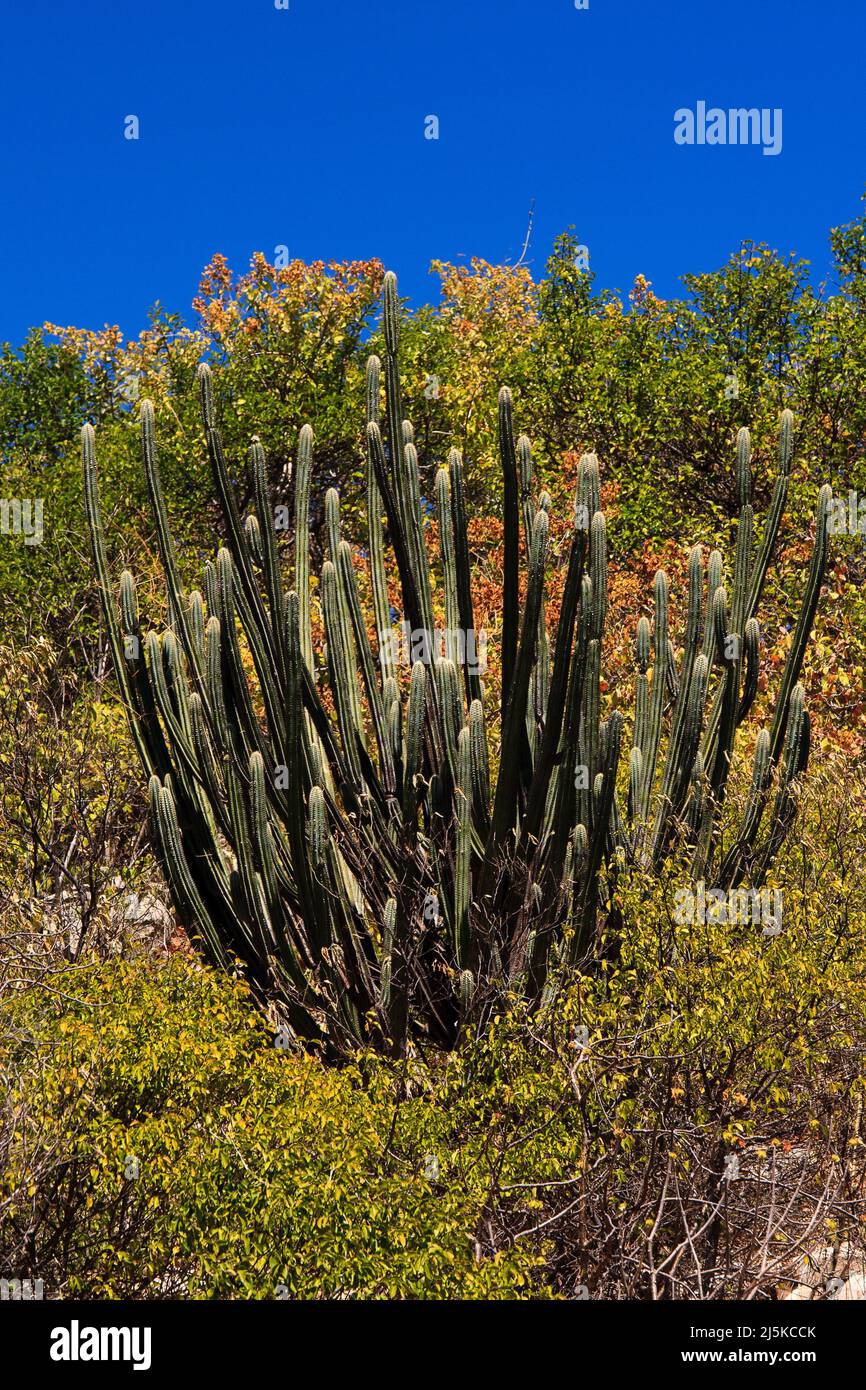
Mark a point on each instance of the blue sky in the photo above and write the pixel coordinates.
(304, 127)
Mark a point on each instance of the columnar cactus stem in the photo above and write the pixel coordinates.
(465, 610)
(449, 565)
(661, 646)
(510, 603)
(303, 468)
(463, 850)
(375, 532)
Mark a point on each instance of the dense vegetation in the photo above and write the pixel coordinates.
(584, 1148)
(369, 872)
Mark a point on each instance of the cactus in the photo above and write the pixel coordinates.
(353, 852)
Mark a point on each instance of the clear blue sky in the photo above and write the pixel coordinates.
(305, 127)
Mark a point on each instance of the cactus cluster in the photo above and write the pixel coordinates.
(384, 858)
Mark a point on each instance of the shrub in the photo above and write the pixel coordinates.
(684, 1122)
(158, 1145)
